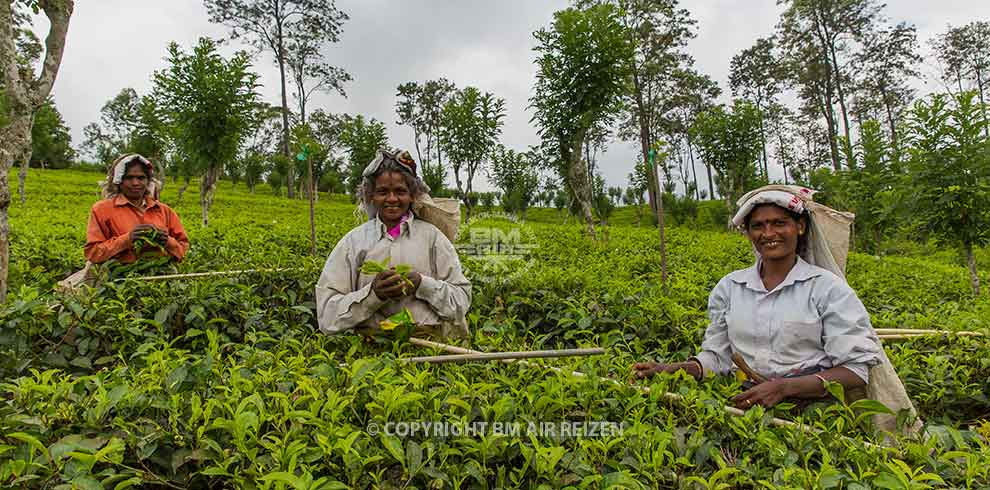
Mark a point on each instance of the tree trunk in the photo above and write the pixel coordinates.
(983, 103)
(711, 186)
(892, 125)
(14, 139)
(974, 278)
(763, 146)
(182, 190)
(289, 171)
(577, 174)
(694, 169)
(644, 142)
(783, 159)
(663, 238)
(312, 208)
(4, 223)
(833, 145)
(842, 107)
(22, 174)
(467, 191)
(23, 97)
(207, 187)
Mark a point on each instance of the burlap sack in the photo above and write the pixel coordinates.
(442, 212)
(71, 284)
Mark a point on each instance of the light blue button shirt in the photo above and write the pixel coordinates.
(812, 319)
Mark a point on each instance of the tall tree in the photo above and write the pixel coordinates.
(24, 91)
(360, 138)
(583, 70)
(261, 144)
(326, 130)
(210, 102)
(886, 65)
(729, 139)
(271, 25)
(964, 53)
(472, 123)
(516, 175)
(658, 31)
(806, 67)
(756, 74)
(51, 143)
(948, 184)
(310, 72)
(420, 106)
(111, 136)
(833, 27)
(690, 94)
(28, 51)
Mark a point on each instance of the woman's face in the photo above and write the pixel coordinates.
(774, 232)
(134, 182)
(392, 197)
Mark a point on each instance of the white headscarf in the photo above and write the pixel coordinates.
(115, 175)
(828, 229)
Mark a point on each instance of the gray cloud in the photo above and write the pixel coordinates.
(115, 44)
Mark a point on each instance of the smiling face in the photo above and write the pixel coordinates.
(774, 232)
(392, 197)
(135, 182)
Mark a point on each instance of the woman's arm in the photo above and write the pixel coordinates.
(847, 336)
(177, 243)
(100, 246)
(772, 392)
(847, 339)
(449, 293)
(338, 306)
(716, 350)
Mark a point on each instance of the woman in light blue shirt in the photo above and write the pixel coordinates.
(793, 323)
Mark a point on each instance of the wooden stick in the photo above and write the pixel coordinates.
(905, 336)
(208, 274)
(495, 356)
(918, 331)
(674, 397)
(741, 364)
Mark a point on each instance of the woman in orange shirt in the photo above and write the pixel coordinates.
(130, 209)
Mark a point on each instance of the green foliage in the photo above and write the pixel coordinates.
(421, 107)
(209, 104)
(225, 381)
(949, 178)
(515, 174)
(583, 68)
(51, 143)
(208, 100)
(360, 139)
(471, 124)
(729, 141)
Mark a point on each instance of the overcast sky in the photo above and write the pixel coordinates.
(114, 44)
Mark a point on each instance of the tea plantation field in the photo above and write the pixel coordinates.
(225, 382)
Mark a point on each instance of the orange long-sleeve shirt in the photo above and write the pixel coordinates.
(108, 235)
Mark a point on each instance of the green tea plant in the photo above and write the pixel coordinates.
(226, 382)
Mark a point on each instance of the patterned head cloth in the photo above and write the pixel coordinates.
(793, 201)
(401, 157)
(115, 174)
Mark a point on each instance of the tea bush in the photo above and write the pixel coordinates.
(225, 382)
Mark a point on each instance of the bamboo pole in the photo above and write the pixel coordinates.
(904, 336)
(674, 397)
(918, 331)
(208, 274)
(496, 356)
